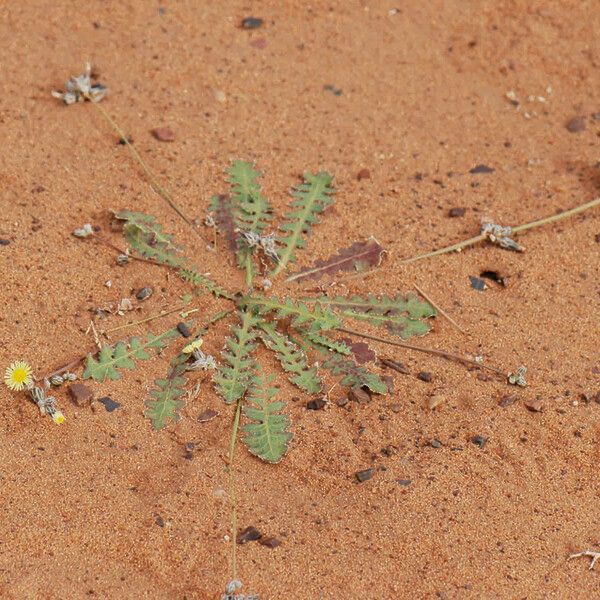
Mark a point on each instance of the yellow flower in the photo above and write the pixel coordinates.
(58, 417)
(18, 376)
(192, 346)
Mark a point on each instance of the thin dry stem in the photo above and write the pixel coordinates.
(149, 174)
(432, 351)
(440, 309)
(479, 238)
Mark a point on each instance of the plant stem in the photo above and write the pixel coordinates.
(439, 309)
(149, 174)
(517, 229)
(248, 267)
(433, 351)
(232, 488)
(152, 318)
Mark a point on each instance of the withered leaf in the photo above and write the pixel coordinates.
(222, 208)
(361, 351)
(358, 257)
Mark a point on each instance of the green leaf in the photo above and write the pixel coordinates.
(233, 378)
(402, 315)
(292, 359)
(202, 281)
(314, 319)
(322, 342)
(167, 396)
(146, 237)
(355, 375)
(267, 436)
(121, 355)
(310, 198)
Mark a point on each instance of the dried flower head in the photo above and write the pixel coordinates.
(497, 234)
(84, 231)
(81, 88)
(202, 362)
(18, 376)
(518, 378)
(46, 404)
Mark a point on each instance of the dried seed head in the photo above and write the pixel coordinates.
(84, 231)
(122, 259)
(518, 378)
(497, 234)
(69, 376)
(57, 380)
(80, 88)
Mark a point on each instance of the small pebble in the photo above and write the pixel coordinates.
(364, 475)
(109, 404)
(457, 212)
(535, 405)
(342, 401)
(219, 96)
(163, 134)
(477, 283)
(576, 125)
(4, 242)
(81, 394)
(395, 365)
(127, 140)
(425, 376)
(252, 23)
(316, 404)
(479, 440)
(208, 415)
(481, 169)
(250, 534)
(508, 400)
(596, 116)
(269, 542)
(359, 395)
(363, 174)
(184, 330)
(395, 408)
(159, 521)
(144, 293)
(435, 443)
(435, 400)
(404, 482)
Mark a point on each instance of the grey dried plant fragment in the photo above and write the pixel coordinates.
(518, 378)
(80, 88)
(202, 362)
(500, 235)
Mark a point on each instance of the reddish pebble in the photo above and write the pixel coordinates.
(163, 134)
(363, 174)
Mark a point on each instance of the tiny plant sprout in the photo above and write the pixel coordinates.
(80, 88)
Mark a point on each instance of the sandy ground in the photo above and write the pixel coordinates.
(103, 507)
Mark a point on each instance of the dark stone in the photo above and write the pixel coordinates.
(435, 444)
(481, 170)
(208, 415)
(508, 400)
(395, 365)
(4, 242)
(316, 404)
(458, 211)
(425, 376)
(357, 394)
(252, 23)
(163, 134)
(269, 542)
(342, 401)
(159, 521)
(81, 394)
(250, 534)
(364, 475)
(184, 330)
(477, 283)
(576, 125)
(123, 141)
(144, 293)
(404, 482)
(109, 404)
(479, 440)
(331, 88)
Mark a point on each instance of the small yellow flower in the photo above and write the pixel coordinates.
(18, 376)
(58, 417)
(192, 346)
